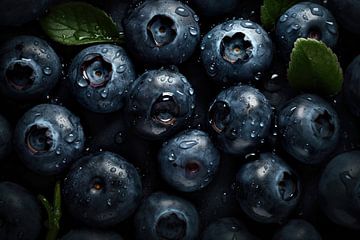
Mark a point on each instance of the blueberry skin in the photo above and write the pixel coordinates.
(240, 118)
(211, 8)
(160, 102)
(48, 138)
(347, 14)
(100, 77)
(339, 189)
(163, 216)
(20, 213)
(5, 137)
(309, 128)
(305, 20)
(227, 229)
(86, 234)
(29, 68)
(268, 189)
(162, 32)
(29, 9)
(351, 86)
(102, 189)
(236, 50)
(297, 229)
(189, 161)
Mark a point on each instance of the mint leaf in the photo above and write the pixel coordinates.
(271, 10)
(314, 67)
(77, 23)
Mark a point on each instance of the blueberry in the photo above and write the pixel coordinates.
(339, 189)
(160, 102)
(347, 13)
(29, 68)
(5, 137)
(240, 118)
(305, 20)
(20, 213)
(102, 189)
(236, 50)
(268, 189)
(189, 161)
(211, 8)
(16, 13)
(87, 234)
(227, 229)
(48, 138)
(163, 216)
(100, 76)
(162, 31)
(297, 229)
(352, 85)
(309, 128)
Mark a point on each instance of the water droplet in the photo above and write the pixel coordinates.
(196, 18)
(317, 11)
(252, 134)
(108, 202)
(172, 157)
(295, 27)
(331, 27)
(293, 15)
(188, 144)
(284, 18)
(261, 124)
(191, 91)
(292, 109)
(36, 43)
(182, 12)
(121, 68)
(82, 82)
(104, 93)
(248, 24)
(104, 50)
(193, 31)
(305, 17)
(47, 71)
(113, 169)
(58, 151)
(274, 76)
(258, 31)
(70, 138)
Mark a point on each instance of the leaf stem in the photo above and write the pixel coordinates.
(53, 212)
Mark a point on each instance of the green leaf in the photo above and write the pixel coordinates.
(314, 67)
(271, 10)
(77, 23)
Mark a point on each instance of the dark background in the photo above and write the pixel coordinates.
(109, 132)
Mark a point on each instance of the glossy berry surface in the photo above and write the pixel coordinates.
(240, 118)
(5, 137)
(236, 50)
(100, 76)
(29, 67)
(20, 213)
(309, 128)
(352, 85)
(48, 138)
(305, 20)
(162, 31)
(189, 161)
(268, 189)
(163, 216)
(227, 229)
(102, 189)
(160, 102)
(86, 234)
(297, 229)
(339, 189)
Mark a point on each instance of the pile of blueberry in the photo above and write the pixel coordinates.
(189, 130)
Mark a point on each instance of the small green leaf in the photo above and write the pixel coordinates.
(77, 23)
(314, 67)
(271, 10)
